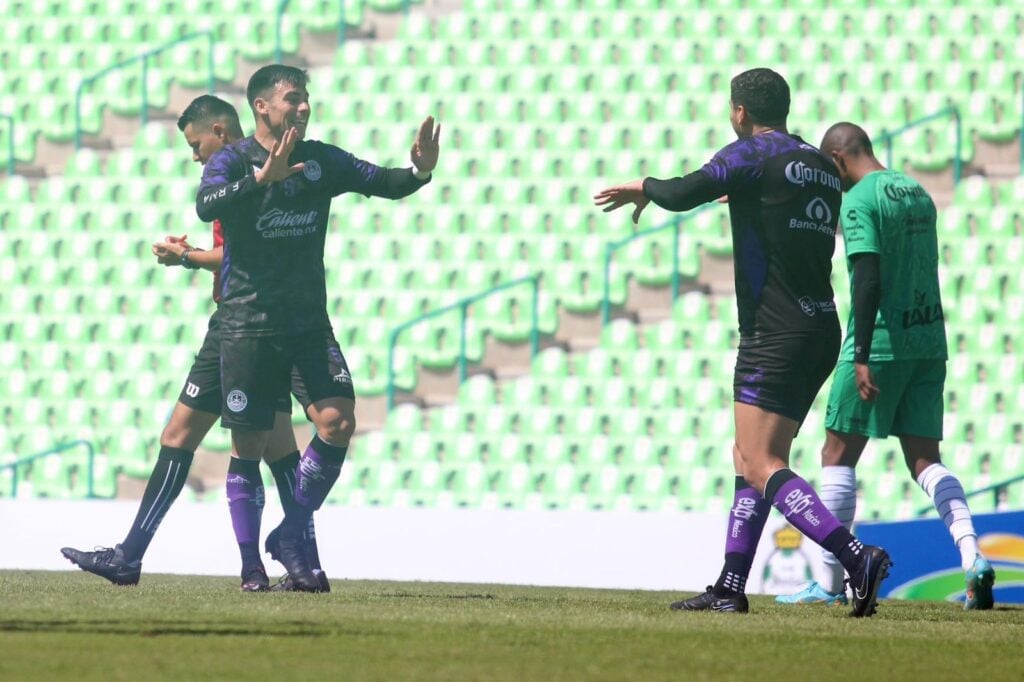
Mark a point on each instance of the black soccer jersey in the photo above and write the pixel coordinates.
(272, 275)
(784, 199)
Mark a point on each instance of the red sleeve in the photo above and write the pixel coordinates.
(218, 234)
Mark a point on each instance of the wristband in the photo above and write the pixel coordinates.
(186, 262)
(420, 175)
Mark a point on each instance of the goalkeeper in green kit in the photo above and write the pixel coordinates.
(892, 366)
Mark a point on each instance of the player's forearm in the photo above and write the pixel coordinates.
(867, 294)
(682, 194)
(396, 183)
(216, 199)
(207, 260)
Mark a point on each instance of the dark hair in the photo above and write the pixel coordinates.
(763, 93)
(267, 77)
(205, 109)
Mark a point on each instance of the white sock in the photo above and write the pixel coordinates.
(838, 492)
(948, 495)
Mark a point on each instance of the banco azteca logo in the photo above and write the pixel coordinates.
(818, 210)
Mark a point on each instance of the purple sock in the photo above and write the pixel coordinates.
(245, 500)
(802, 507)
(747, 517)
(318, 469)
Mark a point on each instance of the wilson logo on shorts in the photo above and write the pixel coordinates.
(237, 401)
(191, 390)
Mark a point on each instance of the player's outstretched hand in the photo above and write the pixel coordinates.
(276, 168)
(865, 382)
(168, 252)
(426, 149)
(620, 195)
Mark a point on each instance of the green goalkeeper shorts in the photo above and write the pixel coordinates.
(909, 401)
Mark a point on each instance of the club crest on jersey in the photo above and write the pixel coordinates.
(311, 169)
(237, 400)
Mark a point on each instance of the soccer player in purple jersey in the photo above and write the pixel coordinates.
(272, 192)
(784, 198)
(207, 124)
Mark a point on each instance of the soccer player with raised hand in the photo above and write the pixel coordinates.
(892, 367)
(207, 124)
(272, 192)
(784, 198)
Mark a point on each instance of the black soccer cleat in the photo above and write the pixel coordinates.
(272, 545)
(106, 562)
(286, 584)
(254, 579)
(709, 601)
(866, 580)
(292, 555)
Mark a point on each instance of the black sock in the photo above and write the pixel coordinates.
(284, 475)
(312, 551)
(845, 547)
(733, 578)
(250, 552)
(165, 483)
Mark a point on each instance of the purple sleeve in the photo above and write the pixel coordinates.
(224, 182)
(351, 174)
(735, 166)
(731, 169)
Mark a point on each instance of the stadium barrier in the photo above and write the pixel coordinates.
(612, 247)
(462, 305)
(887, 138)
(926, 563)
(995, 489)
(144, 59)
(10, 142)
(56, 450)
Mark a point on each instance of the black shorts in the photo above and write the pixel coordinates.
(782, 373)
(256, 371)
(202, 387)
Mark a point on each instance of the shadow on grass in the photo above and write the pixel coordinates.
(186, 629)
(412, 595)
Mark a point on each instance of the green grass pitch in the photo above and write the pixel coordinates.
(73, 626)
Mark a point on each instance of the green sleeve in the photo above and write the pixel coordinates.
(860, 220)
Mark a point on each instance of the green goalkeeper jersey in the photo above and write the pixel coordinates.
(891, 214)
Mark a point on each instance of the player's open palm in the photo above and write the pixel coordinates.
(277, 167)
(426, 148)
(620, 195)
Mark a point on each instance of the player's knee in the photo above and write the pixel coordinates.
(338, 429)
(177, 436)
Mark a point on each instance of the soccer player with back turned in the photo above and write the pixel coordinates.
(272, 192)
(784, 198)
(892, 367)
